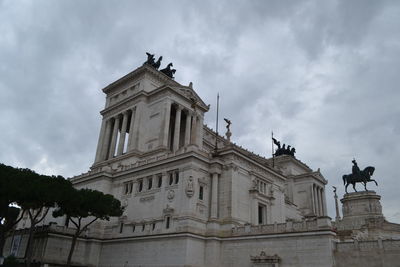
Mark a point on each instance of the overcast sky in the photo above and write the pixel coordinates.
(323, 75)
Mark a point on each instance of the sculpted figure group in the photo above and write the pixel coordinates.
(359, 176)
(283, 150)
(156, 64)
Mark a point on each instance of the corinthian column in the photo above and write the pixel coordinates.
(187, 129)
(177, 128)
(199, 132)
(167, 118)
(101, 140)
(322, 201)
(137, 114)
(106, 142)
(193, 132)
(121, 142)
(114, 137)
(313, 199)
(319, 201)
(131, 129)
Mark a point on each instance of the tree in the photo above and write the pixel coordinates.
(41, 193)
(11, 189)
(7, 223)
(35, 194)
(84, 207)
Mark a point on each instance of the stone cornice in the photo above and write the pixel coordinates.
(287, 158)
(124, 104)
(317, 175)
(136, 73)
(143, 167)
(252, 161)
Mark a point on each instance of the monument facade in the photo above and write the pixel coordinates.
(192, 197)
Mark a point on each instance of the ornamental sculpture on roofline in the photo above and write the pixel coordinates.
(156, 64)
(283, 150)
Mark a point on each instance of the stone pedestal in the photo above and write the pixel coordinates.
(364, 204)
(362, 213)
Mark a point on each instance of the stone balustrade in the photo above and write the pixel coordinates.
(322, 223)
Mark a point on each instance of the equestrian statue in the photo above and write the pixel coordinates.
(358, 176)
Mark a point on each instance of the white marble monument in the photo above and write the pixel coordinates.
(186, 205)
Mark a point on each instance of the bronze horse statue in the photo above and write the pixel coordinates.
(363, 176)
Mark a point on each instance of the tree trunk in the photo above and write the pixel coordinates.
(71, 250)
(2, 241)
(29, 246)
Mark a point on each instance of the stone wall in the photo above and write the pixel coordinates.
(52, 245)
(376, 253)
(295, 243)
(307, 249)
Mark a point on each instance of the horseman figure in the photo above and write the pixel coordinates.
(358, 176)
(355, 169)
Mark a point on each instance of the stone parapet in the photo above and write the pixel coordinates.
(322, 223)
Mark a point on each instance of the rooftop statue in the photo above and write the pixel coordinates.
(157, 64)
(283, 150)
(228, 129)
(358, 176)
(168, 71)
(228, 124)
(150, 61)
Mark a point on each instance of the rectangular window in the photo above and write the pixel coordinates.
(176, 177)
(201, 189)
(121, 228)
(261, 214)
(130, 187)
(133, 228)
(153, 226)
(150, 182)
(140, 187)
(159, 180)
(167, 222)
(171, 178)
(126, 188)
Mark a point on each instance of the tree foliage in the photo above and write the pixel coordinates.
(84, 207)
(35, 194)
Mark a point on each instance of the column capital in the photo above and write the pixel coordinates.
(216, 168)
(178, 107)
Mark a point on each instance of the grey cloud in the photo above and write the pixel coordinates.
(322, 75)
